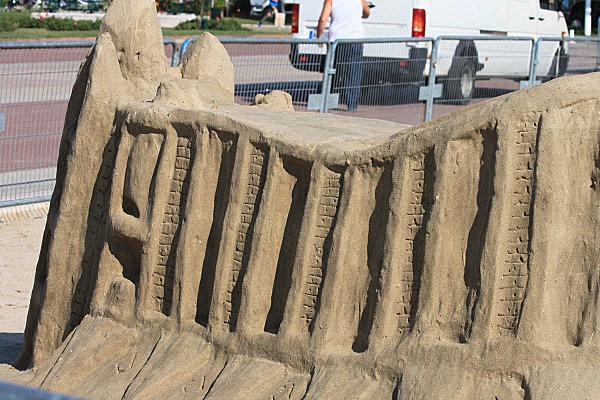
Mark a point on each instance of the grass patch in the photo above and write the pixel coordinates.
(170, 32)
(246, 20)
(11, 21)
(226, 24)
(40, 33)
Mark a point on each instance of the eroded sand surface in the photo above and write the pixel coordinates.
(19, 248)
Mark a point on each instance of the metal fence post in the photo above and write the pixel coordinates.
(174, 45)
(328, 72)
(598, 53)
(185, 45)
(563, 52)
(431, 80)
(535, 54)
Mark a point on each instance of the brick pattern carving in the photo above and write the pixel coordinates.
(164, 273)
(327, 215)
(100, 198)
(421, 172)
(510, 290)
(256, 180)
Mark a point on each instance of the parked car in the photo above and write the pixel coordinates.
(576, 16)
(463, 59)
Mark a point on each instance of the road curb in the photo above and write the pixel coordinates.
(24, 212)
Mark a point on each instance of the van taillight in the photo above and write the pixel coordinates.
(418, 22)
(295, 17)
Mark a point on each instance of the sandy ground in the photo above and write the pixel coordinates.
(20, 243)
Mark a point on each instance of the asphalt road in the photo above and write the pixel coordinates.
(35, 87)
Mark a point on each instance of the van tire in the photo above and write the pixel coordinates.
(460, 84)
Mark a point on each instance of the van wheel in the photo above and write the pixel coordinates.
(460, 84)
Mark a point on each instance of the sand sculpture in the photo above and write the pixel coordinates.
(200, 249)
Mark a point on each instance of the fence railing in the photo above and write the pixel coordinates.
(457, 60)
(405, 80)
(375, 78)
(264, 65)
(577, 56)
(36, 79)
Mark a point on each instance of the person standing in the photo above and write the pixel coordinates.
(270, 11)
(346, 23)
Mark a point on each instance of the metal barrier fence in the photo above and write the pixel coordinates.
(36, 79)
(406, 80)
(392, 78)
(583, 55)
(261, 66)
(304, 67)
(460, 60)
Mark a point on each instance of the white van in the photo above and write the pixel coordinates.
(460, 60)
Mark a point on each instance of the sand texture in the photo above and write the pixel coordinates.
(195, 248)
(20, 241)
